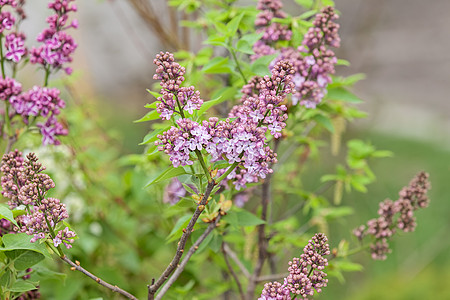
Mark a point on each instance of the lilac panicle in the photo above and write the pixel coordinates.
(313, 62)
(57, 45)
(24, 184)
(175, 98)
(395, 215)
(43, 102)
(241, 140)
(272, 31)
(306, 273)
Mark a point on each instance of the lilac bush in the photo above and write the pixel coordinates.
(234, 163)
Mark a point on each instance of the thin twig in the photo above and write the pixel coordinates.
(114, 288)
(271, 277)
(181, 244)
(236, 260)
(235, 277)
(188, 256)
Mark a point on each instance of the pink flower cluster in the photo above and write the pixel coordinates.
(14, 41)
(393, 215)
(24, 184)
(57, 45)
(175, 98)
(313, 62)
(241, 140)
(305, 273)
(44, 102)
(272, 31)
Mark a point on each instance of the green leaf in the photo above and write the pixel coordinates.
(6, 213)
(188, 189)
(233, 25)
(24, 259)
(348, 266)
(21, 286)
(22, 241)
(260, 66)
(208, 104)
(343, 62)
(337, 212)
(306, 3)
(167, 174)
(342, 94)
(216, 40)
(251, 38)
(153, 136)
(151, 115)
(244, 47)
(324, 121)
(154, 94)
(217, 65)
(177, 230)
(245, 218)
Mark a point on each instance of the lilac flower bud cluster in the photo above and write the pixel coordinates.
(272, 31)
(44, 102)
(305, 273)
(241, 140)
(57, 45)
(395, 215)
(24, 184)
(175, 98)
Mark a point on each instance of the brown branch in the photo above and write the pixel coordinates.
(236, 260)
(181, 244)
(76, 266)
(271, 277)
(263, 241)
(233, 274)
(188, 256)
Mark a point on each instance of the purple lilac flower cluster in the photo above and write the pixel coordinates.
(24, 184)
(241, 140)
(305, 273)
(57, 45)
(14, 41)
(39, 101)
(272, 31)
(175, 98)
(313, 61)
(393, 215)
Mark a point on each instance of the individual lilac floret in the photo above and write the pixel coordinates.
(175, 98)
(24, 184)
(306, 273)
(6, 21)
(395, 215)
(15, 47)
(57, 45)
